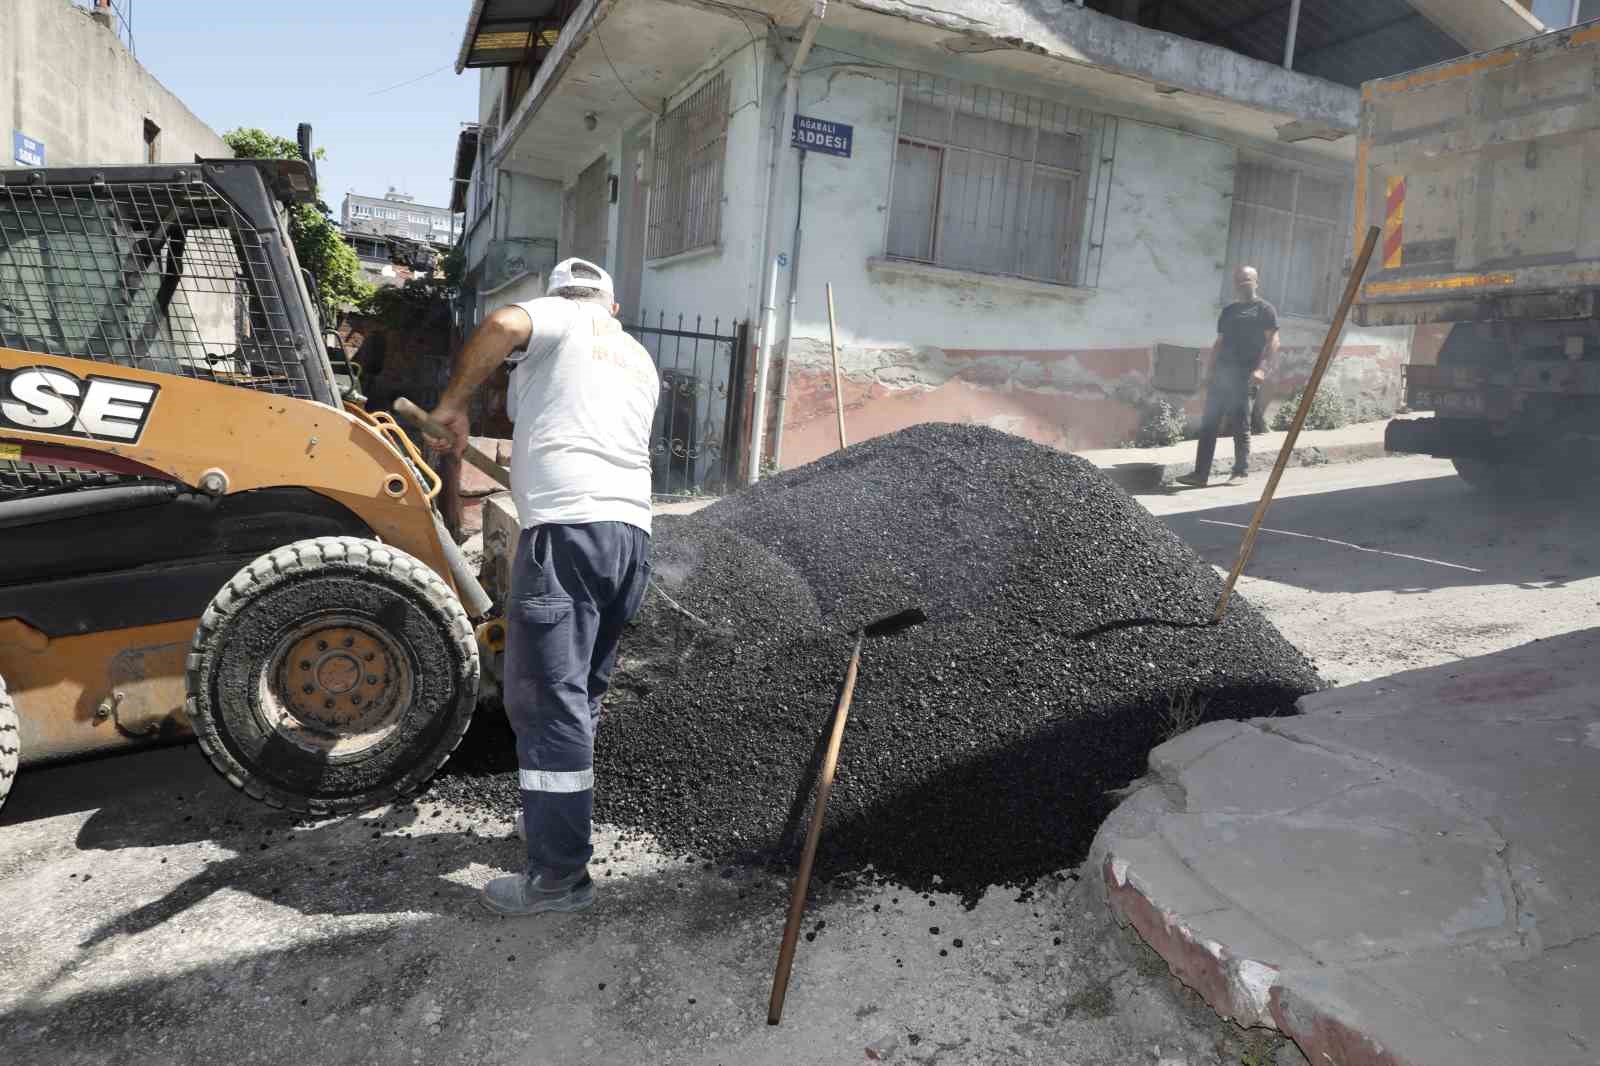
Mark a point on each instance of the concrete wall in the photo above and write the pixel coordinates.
(67, 81)
(1065, 366)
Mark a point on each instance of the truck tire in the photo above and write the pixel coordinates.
(10, 742)
(1485, 476)
(1516, 479)
(332, 675)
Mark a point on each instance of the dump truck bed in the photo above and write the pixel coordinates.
(1482, 174)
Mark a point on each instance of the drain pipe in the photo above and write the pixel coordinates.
(788, 323)
(791, 94)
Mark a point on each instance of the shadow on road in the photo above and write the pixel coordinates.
(1408, 537)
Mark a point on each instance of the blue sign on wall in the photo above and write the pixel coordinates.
(819, 135)
(25, 151)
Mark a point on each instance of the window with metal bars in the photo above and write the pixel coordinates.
(988, 181)
(1288, 223)
(686, 196)
(158, 276)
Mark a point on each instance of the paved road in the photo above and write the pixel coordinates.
(1396, 563)
(148, 913)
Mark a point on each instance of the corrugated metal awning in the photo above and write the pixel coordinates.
(501, 33)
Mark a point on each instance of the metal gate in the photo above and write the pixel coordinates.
(694, 444)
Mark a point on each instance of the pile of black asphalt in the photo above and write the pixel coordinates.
(1068, 633)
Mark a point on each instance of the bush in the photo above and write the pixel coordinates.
(1160, 423)
(1328, 410)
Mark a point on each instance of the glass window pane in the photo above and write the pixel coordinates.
(1046, 237)
(1311, 281)
(916, 183)
(979, 205)
(1267, 186)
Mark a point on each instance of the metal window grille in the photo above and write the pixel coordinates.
(1289, 225)
(691, 144)
(992, 181)
(156, 276)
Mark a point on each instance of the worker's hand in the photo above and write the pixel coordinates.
(454, 419)
(1258, 375)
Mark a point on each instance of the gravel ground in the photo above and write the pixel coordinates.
(1064, 633)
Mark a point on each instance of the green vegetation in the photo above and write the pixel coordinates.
(317, 244)
(1161, 423)
(1328, 410)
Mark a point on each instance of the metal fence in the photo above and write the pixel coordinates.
(694, 444)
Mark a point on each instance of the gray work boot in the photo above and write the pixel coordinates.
(522, 895)
(1195, 480)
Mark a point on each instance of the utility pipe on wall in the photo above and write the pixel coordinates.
(791, 94)
(1294, 31)
(788, 323)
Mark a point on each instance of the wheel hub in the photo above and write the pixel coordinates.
(335, 685)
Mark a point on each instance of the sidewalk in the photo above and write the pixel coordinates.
(1314, 448)
(1405, 874)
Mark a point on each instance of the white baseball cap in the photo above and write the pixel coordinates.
(562, 277)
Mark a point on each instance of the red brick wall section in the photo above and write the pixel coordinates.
(1070, 399)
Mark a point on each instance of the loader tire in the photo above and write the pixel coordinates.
(10, 742)
(332, 675)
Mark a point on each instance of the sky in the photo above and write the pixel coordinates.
(333, 64)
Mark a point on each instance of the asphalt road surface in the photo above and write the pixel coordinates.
(149, 913)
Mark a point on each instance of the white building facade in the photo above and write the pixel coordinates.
(1028, 212)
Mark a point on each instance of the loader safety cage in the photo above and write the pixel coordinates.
(176, 269)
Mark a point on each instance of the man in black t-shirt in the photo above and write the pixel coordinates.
(1247, 336)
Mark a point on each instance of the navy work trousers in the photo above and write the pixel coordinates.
(573, 588)
(1227, 397)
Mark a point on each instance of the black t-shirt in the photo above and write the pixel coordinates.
(1243, 328)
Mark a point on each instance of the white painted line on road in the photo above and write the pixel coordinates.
(1344, 544)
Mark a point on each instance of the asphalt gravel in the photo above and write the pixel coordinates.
(1067, 635)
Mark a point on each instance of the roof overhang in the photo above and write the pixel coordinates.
(615, 65)
(461, 172)
(1481, 24)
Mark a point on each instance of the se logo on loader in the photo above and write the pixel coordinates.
(47, 400)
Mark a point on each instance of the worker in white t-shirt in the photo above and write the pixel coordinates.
(583, 396)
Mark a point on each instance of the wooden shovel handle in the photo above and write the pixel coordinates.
(418, 418)
(802, 878)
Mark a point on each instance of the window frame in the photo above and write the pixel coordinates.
(1078, 126)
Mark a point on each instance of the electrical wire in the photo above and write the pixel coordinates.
(412, 81)
(620, 82)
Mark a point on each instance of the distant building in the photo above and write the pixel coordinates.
(397, 215)
(395, 237)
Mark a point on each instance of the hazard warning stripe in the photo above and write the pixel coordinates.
(1394, 223)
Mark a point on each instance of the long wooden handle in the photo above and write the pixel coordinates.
(1329, 343)
(802, 877)
(419, 419)
(838, 378)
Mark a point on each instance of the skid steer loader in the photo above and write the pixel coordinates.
(200, 529)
